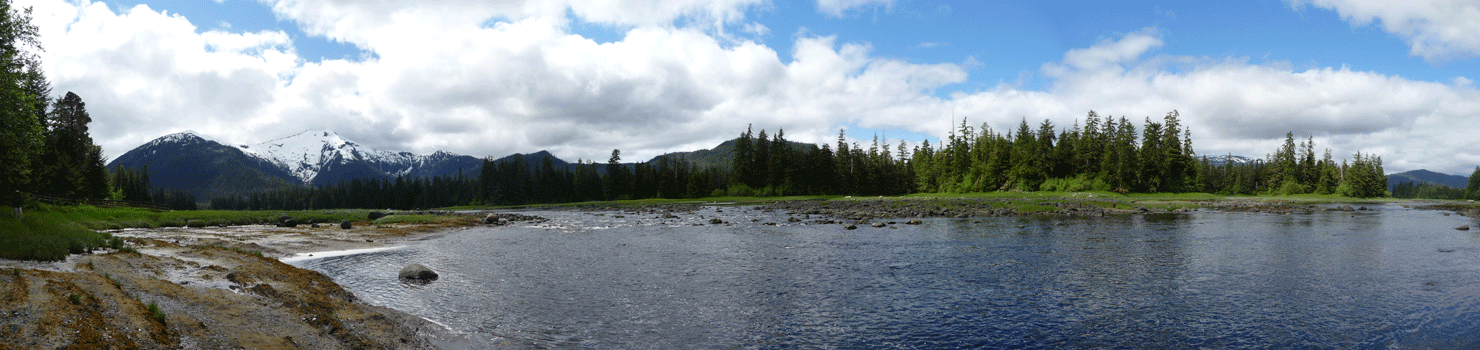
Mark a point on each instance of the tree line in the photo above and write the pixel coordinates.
(45, 143)
(1107, 154)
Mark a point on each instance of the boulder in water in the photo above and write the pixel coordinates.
(1463, 228)
(716, 221)
(290, 223)
(417, 273)
(914, 222)
(878, 224)
(345, 224)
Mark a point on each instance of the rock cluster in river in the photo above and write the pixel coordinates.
(864, 210)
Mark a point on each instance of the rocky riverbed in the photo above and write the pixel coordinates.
(209, 287)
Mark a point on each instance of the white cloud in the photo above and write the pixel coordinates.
(1437, 30)
(1246, 109)
(838, 8)
(443, 77)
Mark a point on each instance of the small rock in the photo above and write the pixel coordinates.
(716, 221)
(313, 225)
(417, 273)
(793, 219)
(851, 227)
(914, 222)
(345, 224)
(376, 215)
(879, 224)
(1463, 228)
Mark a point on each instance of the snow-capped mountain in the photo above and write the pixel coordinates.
(308, 153)
(1220, 160)
(187, 161)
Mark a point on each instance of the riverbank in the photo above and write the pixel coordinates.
(225, 286)
(212, 287)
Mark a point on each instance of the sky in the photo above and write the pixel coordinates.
(583, 77)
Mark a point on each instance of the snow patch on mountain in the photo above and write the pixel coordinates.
(1220, 160)
(183, 137)
(306, 154)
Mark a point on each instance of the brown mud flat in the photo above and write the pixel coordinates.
(213, 288)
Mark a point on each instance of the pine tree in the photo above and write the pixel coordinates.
(21, 134)
(1473, 191)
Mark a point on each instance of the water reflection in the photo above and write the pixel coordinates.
(1218, 280)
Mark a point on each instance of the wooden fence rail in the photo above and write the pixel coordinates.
(102, 203)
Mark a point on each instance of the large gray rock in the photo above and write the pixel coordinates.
(417, 273)
(1463, 228)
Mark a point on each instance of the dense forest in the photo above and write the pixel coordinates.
(1106, 154)
(48, 151)
(44, 142)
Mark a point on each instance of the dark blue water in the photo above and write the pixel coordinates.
(1393, 278)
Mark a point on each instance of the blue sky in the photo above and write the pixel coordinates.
(580, 77)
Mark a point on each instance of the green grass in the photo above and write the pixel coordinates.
(115, 218)
(45, 236)
(50, 233)
(154, 311)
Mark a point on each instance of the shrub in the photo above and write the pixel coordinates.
(154, 311)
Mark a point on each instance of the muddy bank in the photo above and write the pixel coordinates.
(1466, 210)
(212, 288)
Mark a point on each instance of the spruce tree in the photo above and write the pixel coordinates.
(21, 134)
(1473, 191)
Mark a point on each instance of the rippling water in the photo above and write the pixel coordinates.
(1388, 278)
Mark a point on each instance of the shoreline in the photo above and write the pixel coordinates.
(214, 288)
(234, 286)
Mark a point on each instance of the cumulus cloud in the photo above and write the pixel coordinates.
(1437, 30)
(493, 79)
(1236, 107)
(838, 8)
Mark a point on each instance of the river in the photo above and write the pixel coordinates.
(1391, 277)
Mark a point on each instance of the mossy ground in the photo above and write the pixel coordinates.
(50, 232)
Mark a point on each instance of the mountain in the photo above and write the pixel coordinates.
(1422, 176)
(206, 168)
(1220, 160)
(720, 156)
(185, 161)
(318, 157)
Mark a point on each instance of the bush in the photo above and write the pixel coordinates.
(154, 311)
(1077, 184)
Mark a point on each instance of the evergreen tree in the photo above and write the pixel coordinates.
(21, 134)
(1473, 190)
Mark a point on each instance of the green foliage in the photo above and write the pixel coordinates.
(1077, 184)
(1427, 190)
(45, 237)
(21, 131)
(156, 312)
(1364, 178)
(1473, 190)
